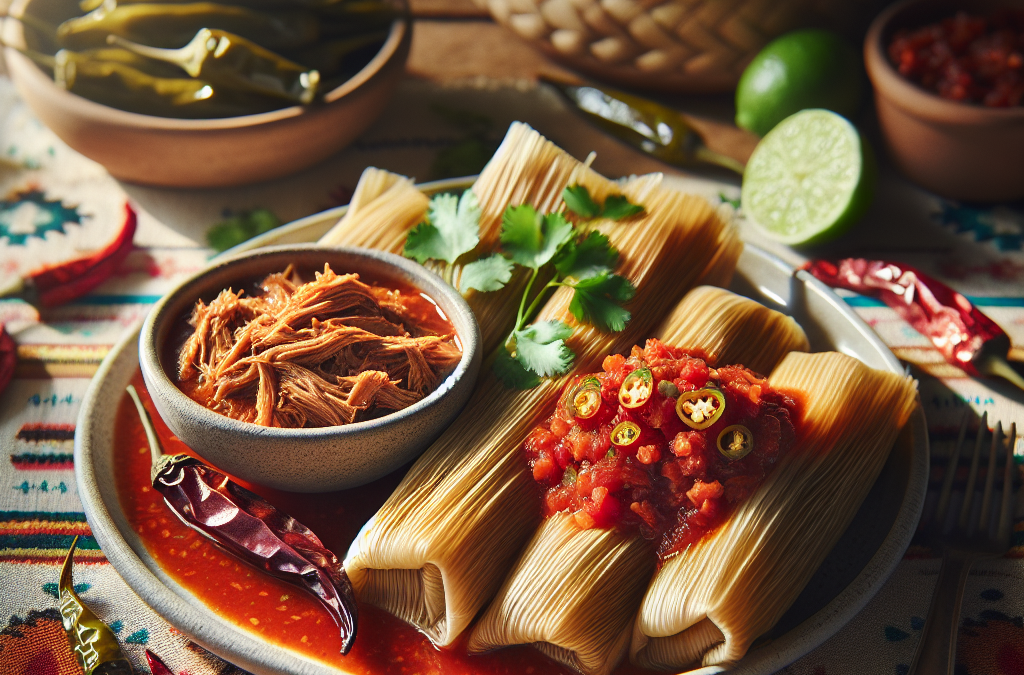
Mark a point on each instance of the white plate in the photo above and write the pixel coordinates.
(863, 559)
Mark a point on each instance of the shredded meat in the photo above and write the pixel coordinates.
(330, 351)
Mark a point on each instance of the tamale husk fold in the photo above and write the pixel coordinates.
(744, 576)
(469, 505)
(724, 328)
(383, 208)
(710, 322)
(580, 615)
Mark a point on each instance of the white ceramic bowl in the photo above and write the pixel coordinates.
(205, 152)
(318, 459)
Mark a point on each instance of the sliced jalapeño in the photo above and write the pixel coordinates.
(735, 442)
(701, 408)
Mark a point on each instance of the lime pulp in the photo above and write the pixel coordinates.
(808, 179)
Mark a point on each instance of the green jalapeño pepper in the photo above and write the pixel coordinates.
(231, 61)
(122, 86)
(586, 398)
(735, 442)
(637, 388)
(173, 25)
(625, 434)
(700, 409)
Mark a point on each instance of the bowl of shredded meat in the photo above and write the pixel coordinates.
(310, 369)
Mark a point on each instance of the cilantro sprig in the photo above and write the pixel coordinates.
(547, 246)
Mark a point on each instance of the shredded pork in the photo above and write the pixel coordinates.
(330, 351)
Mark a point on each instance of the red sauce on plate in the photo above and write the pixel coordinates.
(617, 450)
(277, 612)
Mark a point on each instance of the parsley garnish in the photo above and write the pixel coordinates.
(551, 247)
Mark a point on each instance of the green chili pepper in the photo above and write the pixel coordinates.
(652, 127)
(735, 442)
(569, 476)
(172, 26)
(637, 388)
(227, 60)
(122, 86)
(586, 398)
(700, 409)
(625, 434)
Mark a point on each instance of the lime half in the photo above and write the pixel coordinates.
(810, 178)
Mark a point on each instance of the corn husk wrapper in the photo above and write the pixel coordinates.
(574, 593)
(724, 328)
(438, 549)
(526, 169)
(709, 603)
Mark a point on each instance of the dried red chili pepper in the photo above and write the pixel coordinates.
(8, 358)
(57, 284)
(967, 338)
(156, 666)
(251, 528)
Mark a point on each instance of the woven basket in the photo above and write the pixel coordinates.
(673, 45)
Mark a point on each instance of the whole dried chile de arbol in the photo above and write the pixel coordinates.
(967, 338)
(251, 528)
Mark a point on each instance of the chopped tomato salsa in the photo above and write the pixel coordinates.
(674, 467)
(976, 59)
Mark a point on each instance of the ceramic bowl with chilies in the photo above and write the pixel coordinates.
(185, 94)
(283, 368)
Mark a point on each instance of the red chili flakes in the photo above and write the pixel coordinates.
(969, 58)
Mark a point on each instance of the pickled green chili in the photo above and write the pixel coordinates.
(227, 60)
(637, 388)
(649, 126)
(735, 442)
(172, 26)
(128, 88)
(586, 398)
(93, 643)
(701, 408)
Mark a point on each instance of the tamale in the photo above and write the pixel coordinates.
(526, 168)
(579, 609)
(724, 328)
(437, 550)
(708, 604)
(383, 208)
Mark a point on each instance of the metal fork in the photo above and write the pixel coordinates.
(970, 540)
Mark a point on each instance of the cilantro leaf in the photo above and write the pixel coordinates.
(531, 239)
(597, 301)
(487, 274)
(589, 257)
(578, 200)
(541, 348)
(453, 229)
(512, 373)
(617, 207)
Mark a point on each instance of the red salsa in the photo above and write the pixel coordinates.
(660, 442)
(970, 58)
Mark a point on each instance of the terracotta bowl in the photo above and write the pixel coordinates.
(957, 150)
(212, 152)
(307, 460)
